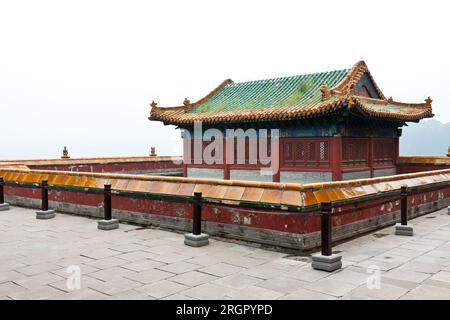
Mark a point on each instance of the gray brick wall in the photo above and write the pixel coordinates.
(305, 177)
(251, 175)
(385, 172)
(356, 175)
(205, 173)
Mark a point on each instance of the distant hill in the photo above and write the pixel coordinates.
(428, 137)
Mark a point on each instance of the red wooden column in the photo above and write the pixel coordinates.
(397, 150)
(336, 157)
(187, 155)
(280, 155)
(397, 147)
(370, 156)
(226, 166)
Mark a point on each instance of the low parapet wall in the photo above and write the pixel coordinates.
(281, 215)
(422, 163)
(158, 165)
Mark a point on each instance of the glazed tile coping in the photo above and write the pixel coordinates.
(436, 160)
(93, 160)
(265, 194)
(13, 166)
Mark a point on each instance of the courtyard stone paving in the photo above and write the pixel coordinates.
(38, 259)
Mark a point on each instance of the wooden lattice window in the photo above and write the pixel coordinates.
(256, 144)
(311, 153)
(207, 143)
(323, 151)
(384, 152)
(355, 152)
(196, 154)
(300, 152)
(288, 151)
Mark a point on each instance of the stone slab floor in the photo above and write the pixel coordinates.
(40, 259)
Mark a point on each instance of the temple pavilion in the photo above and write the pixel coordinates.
(335, 125)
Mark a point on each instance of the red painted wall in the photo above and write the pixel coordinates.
(277, 220)
(410, 168)
(112, 167)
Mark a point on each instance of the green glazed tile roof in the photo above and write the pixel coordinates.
(271, 93)
(289, 98)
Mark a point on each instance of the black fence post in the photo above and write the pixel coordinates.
(44, 195)
(196, 238)
(326, 228)
(107, 223)
(2, 195)
(107, 202)
(44, 213)
(403, 228)
(326, 261)
(404, 205)
(3, 206)
(197, 214)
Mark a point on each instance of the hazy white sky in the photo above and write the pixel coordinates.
(82, 73)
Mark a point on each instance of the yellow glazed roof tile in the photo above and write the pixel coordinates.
(270, 193)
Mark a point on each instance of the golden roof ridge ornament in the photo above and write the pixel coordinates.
(325, 91)
(153, 104)
(428, 101)
(351, 101)
(153, 152)
(186, 103)
(65, 153)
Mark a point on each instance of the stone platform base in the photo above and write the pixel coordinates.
(193, 240)
(108, 224)
(49, 214)
(4, 206)
(401, 230)
(326, 263)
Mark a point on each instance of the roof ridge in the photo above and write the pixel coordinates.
(291, 76)
(394, 102)
(347, 84)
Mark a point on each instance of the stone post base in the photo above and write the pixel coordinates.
(108, 224)
(49, 214)
(4, 206)
(193, 240)
(401, 230)
(326, 263)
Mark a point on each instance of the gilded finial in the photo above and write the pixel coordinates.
(325, 91)
(153, 152)
(65, 153)
(351, 101)
(186, 102)
(428, 101)
(153, 104)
